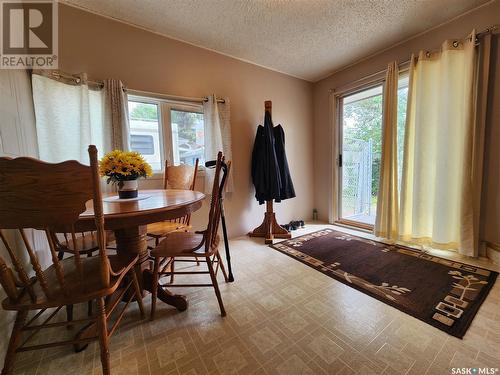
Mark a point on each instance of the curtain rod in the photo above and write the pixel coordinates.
(78, 79)
(488, 30)
(171, 97)
(58, 75)
(403, 65)
(70, 79)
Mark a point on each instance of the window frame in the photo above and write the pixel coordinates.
(165, 125)
(166, 109)
(148, 100)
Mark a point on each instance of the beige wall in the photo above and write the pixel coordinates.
(479, 19)
(104, 48)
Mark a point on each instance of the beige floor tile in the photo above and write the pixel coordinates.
(177, 351)
(360, 363)
(272, 303)
(274, 280)
(324, 351)
(245, 316)
(449, 351)
(295, 323)
(231, 358)
(293, 365)
(294, 293)
(265, 341)
(317, 307)
(207, 333)
(396, 360)
(194, 367)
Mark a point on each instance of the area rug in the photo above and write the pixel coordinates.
(441, 292)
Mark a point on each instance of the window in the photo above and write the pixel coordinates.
(188, 136)
(163, 130)
(360, 119)
(145, 131)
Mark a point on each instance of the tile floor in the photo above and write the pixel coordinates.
(282, 318)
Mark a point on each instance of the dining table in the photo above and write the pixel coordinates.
(128, 219)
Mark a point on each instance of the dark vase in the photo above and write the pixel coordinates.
(128, 189)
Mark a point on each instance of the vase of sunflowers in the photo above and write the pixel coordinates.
(124, 168)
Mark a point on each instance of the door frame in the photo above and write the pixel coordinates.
(336, 207)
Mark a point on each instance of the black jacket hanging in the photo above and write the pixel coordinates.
(287, 191)
(270, 173)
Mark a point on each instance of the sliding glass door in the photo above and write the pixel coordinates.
(360, 119)
(360, 145)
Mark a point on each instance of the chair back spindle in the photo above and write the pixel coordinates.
(99, 216)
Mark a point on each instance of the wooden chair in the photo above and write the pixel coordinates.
(50, 197)
(200, 246)
(216, 258)
(175, 177)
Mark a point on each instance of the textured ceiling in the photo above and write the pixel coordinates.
(304, 38)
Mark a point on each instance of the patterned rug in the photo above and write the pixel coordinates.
(441, 292)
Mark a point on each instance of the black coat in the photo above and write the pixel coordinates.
(270, 172)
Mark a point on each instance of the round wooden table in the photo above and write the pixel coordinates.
(128, 220)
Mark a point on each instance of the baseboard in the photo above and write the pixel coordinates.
(493, 251)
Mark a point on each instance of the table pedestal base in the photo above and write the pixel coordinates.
(178, 301)
(133, 241)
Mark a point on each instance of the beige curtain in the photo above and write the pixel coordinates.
(117, 113)
(387, 220)
(437, 206)
(483, 69)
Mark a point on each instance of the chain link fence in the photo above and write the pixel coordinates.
(357, 163)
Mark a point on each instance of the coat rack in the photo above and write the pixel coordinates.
(269, 229)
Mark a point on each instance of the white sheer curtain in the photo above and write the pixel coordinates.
(436, 201)
(217, 136)
(68, 119)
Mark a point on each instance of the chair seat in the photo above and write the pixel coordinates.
(77, 290)
(162, 228)
(182, 244)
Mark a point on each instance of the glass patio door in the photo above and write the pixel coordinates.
(360, 152)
